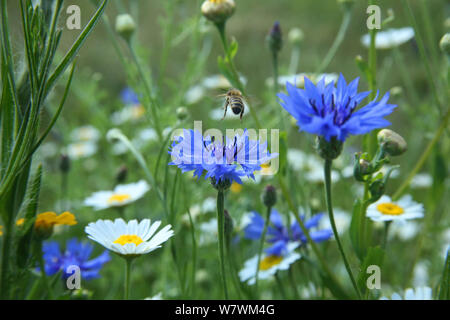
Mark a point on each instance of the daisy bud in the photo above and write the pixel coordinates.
(396, 91)
(269, 196)
(182, 113)
(218, 11)
(391, 142)
(125, 26)
(274, 38)
(362, 168)
(64, 163)
(444, 44)
(295, 36)
(328, 150)
(122, 174)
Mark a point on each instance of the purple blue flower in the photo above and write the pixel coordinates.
(129, 97)
(279, 235)
(226, 160)
(330, 111)
(76, 253)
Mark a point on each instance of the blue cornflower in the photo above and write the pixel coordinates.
(129, 97)
(331, 112)
(221, 161)
(77, 253)
(280, 235)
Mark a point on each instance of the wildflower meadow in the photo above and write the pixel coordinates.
(224, 150)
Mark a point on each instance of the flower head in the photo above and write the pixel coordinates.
(128, 239)
(331, 112)
(269, 264)
(45, 222)
(279, 235)
(77, 253)
(122, 194)
(387, 210)
(218, 11)
(223, 161)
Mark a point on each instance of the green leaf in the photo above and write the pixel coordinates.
(444, 292)
(355, 230)
(374, 257)
(233, 49)
(26, 233)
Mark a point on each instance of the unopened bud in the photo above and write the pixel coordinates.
(269, 196)
(122, 174)
(218, 11)
(125, 26)
(275, 38)
(182, 113)
(391, 142)
(396, 91)
(295, 36)
(361, 169)
(64, 163)
(444, 44)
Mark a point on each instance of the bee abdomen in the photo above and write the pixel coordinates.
(236, 105)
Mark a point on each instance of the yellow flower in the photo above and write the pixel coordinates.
(1, 231)
(235, 187)
(20, 222)
(50, 219)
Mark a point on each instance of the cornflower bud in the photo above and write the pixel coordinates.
(125, 26)
(275, 38)
(269, 196)
(391, 142)
(218, 11)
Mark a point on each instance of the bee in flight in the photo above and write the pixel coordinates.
(235, 100)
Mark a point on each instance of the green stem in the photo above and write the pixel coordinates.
(280, 286)
(221, 233)
(386, 232)
(237, 79)
(337, 41)
(261, 245)
(293, 284)
(371, 138)
(295, 57)
(148, 91)
(327, 173)
(127, 277)
(41, 262)
(275, 84)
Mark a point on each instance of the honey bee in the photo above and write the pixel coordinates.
(235, 100)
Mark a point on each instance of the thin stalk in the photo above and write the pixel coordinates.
(327, 174)
(148, 91)
(237, 79)
(337, 41)
(386, 232)
(371, 138)
(275, 84)
(261, 245)
(293, 284)
(221, 233)
(127, 277)
(295, 57)
(280, 286)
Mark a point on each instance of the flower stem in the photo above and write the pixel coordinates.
(261, 245)
(237, 80)
(127, 277)
(221, 233)
(386, 231)
(327, 173)
(280, 286)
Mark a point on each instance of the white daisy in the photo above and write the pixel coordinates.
(419, 293)
(404, 230)
(194, 94)
(122, 194)
(128, 239)
(128, 113)
(389, 38)
(85, 133)
(269, 264)
(81, 149)
(387, 210)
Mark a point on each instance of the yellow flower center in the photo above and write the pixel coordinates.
(217, 1)
(119, 198)
(137, 111)
(129, 238)
(236, 187)
(269, 261)
(20, 222)
(390, 209)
